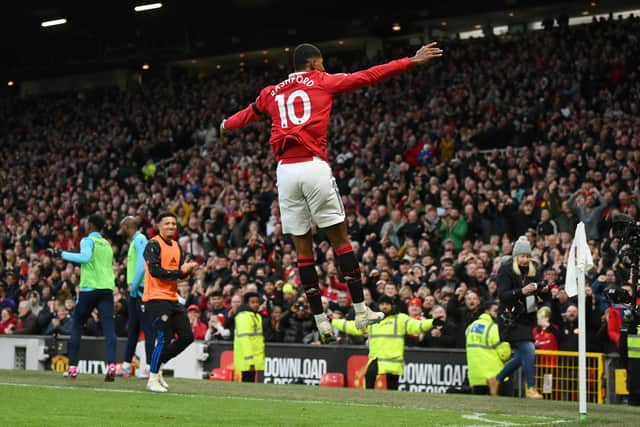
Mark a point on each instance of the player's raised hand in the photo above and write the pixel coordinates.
(426, 53)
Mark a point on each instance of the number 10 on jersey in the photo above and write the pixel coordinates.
(287, 110)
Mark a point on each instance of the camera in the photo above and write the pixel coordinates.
(624, 227)
(301, 307)
(618, 296)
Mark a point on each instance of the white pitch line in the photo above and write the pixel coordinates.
(478, 416)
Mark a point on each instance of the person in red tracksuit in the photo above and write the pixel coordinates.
(299, 108)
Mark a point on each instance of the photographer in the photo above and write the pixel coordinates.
(617, 297)
(624, 318)
(518, 279)
(297, 323)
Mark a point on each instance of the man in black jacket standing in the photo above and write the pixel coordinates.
(297, 323)
(519, 292)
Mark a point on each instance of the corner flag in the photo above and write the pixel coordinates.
(580, 261)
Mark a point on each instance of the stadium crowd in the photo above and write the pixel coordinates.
(441, 171)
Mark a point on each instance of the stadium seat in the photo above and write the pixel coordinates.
(332, 379)
(221, 374)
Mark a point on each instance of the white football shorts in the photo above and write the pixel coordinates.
(308, 191)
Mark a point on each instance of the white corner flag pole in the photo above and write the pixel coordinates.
(582, 345)
(579, 262)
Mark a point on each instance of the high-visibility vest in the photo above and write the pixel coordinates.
(386, 339)
(486, 354)
(98, 272)
(160, 289)
(248, 342)
(633, 346)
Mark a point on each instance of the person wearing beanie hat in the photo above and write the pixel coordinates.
(522, 247)
(386, 349)
(414, 308)
(519, 295)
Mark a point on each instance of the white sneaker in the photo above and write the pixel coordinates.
(367, 317)
(154, 384)
(161, 380)
(324, 328)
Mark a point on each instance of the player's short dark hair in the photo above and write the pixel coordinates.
(247, 296)
(97, 221)
(216, 294)
(302, 54)
(165, 215)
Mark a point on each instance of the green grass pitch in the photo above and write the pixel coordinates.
(29, 398)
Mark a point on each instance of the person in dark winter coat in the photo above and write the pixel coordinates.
(519, 290)
(297, 323)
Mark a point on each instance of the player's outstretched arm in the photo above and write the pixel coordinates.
(251, 113)
(338, 83)
(240, 119)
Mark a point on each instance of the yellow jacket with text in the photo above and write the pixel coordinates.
(386, 339)
(486, 354)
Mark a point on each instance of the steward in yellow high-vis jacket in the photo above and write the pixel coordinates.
(386, 341)
(486, 353)
(248, 339)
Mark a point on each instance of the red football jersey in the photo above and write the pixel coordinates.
(300, 107)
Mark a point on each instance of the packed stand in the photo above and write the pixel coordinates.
(440, 170)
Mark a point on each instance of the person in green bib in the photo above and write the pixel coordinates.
(96, 290)
(248, 338)
(386, 341)
(137, 319)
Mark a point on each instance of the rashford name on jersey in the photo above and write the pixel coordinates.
(293, 78)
